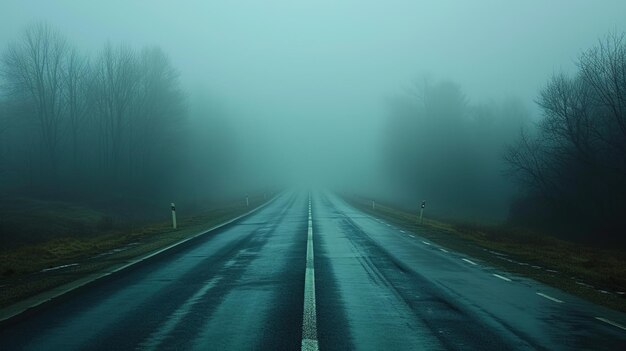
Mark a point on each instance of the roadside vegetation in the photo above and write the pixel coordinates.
(596, 274)
(572, 165)
(494, 160)
(72, 243)
(93, 148)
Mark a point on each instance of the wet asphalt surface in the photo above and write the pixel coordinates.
(377, 288)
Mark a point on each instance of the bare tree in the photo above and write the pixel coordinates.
(603, 70)
(115, 82)
(160, 107)
(75, 74)
(577, 158)
(527, 161)
(4, 126)
(4, 118)
(32, 68)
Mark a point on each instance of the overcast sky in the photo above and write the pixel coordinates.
(332, 63)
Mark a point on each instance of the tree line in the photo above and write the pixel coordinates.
(572, 164)
(75, 124)
(562, 173)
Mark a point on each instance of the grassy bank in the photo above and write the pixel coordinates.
(592, 273)
(58, 255)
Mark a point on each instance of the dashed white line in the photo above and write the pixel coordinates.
(426, 243)
(59, 267)
(501, 277)
(549, 297)
(309, 319)
(402, 231)
(443, 250)
(617, 325)
(412, 236)
(470, 262)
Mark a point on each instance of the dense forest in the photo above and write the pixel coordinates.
(111, 128)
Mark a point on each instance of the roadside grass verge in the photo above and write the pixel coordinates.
(595, 274)
(30, 269)
(26, 221)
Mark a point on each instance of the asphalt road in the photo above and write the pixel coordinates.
(324, 276)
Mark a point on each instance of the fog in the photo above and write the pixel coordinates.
(326, 93)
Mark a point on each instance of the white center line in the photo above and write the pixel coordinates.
(402, 231)
(426, 242)
(309, 319)
(444, 250)
(611, 323)
(549, 297)
(501, 277)
(468, 261)
(412, 236)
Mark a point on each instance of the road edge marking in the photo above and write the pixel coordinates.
(607, 321)
(549, 297)
(470, 262)
(501, 277)
(309, 317)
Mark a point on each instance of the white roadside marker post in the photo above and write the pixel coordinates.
(247, 201)
(422, 211)
(373, 205)
(173, 215)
